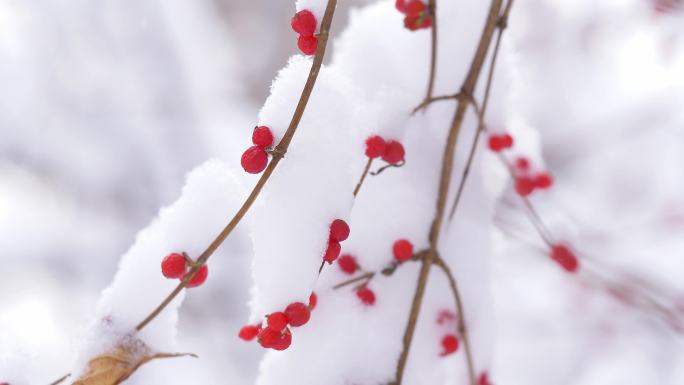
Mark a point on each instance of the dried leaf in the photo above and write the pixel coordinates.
(116, 366)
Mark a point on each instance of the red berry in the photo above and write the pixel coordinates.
(412, 23)
(339, 230)
(347, 264)
(313, 300)
(375, 146)
(283, 341)
(524, 185)
(248, 332)
(402, 250)
(332, 252)
(199, 278)
(564, 257)
(366, 295)
(254, 160)
(506, 140)
(414, 8)
(401, 6)
(262, 136)
(543, 180)
(174, 266)
(394, 152)
(277, 320)
(267, 337)
(307, 44)
(450, 344)
(495, 143)
(426, 22)
(483, 379)
(522, 164)
(304, 23)
(297, 313)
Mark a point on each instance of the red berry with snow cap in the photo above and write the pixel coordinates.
(332, 252)
(307, 44)
(449, 344)
(254, 160)
(394, 152)
(304, 23)
(199, 278)
(262, 136)
(339, 230)
(297, 313)
(375, 146)
(174, 266)
(348, 264)
(366, 295)
(267, 337)
(248, 332)
(402, 250)
(283, 341)
(564, 257)
(277, 320)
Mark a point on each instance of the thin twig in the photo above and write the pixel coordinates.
(61, 379)
(433, 99)
(447, 167)
(278, 154)
(459, 313)
(369, 275)
(502, 24)
(432, 8)
(363, 177)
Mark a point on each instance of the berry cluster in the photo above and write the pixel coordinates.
(276, 334)
(255, 158)
(176, 266)
(391, 151)
(339, 231)
(565, 257)
(500, 142)
(526, 182)
(418, 14)
(304, 23)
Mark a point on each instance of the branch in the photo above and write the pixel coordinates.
(278, 154)
(467, 88)
(501, 25)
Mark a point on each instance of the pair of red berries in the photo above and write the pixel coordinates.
(339, 232)
(255, 158)
(500, 142)
(277, 335)
(304, 23)
(450, 345)
(417, 14)
(176, 266)
(565, 257)
(391, 151)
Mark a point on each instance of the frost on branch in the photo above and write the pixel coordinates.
(210, 195)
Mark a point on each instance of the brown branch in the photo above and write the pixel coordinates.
(432, 7)
(278, 154)
(363, 177)
(61, 379)
(368, 275)
(467, 88)
(461, 316)
(501, 25)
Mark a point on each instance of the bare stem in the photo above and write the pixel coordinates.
(432, 7)
(278, 154)
(363, 177)
(367, 276)
(462, 329)
(467, 88)
(502, 24)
